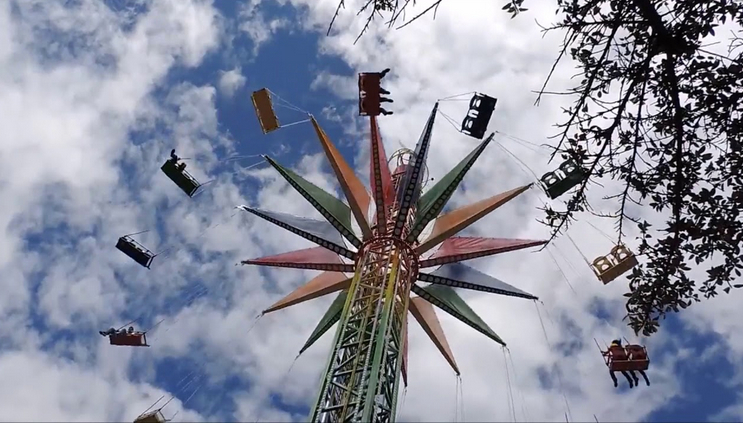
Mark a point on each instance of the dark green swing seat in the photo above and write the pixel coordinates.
(181, 177)
(567, 175)
(136, 251)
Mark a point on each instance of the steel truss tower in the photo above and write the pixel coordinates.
(369, 353)
(362, 376)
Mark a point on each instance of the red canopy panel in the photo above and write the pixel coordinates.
(315, 258)
(380, 177)
(462, 248)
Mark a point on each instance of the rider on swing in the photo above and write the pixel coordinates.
(618, 353)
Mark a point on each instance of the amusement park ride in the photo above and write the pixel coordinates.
(392, 272)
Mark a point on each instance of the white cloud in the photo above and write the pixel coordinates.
(75, 81)
(231, 81)
(85, 131)
(258, 26)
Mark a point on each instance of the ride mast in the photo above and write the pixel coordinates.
(361, 379)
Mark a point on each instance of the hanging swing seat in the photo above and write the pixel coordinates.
(178, 174)
(155, 416)
(567, 175)
(135, 251)
(264, 110)
(475, 124)
(629, 358)
(369, 94)
(618, 262)
(134, 339)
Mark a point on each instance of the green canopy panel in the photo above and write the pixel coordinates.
(328, 320)
(409, 191)
(333, 209)
(433, 201)
(448, 300)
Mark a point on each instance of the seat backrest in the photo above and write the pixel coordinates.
(369, 106)
(468, 123)
(636, 352)
(569, 167)
(602, 264)
(620, 252)
(476, 101)
(616, 352)
(369, 82)
(549, 179)
(483, 102)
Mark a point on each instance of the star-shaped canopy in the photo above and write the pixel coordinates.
(329, 235)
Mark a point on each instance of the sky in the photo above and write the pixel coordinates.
(94, 95)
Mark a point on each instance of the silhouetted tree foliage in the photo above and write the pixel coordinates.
(658, 111)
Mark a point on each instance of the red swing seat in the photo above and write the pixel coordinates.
(135, 339)
(369, 94)
(631, 358)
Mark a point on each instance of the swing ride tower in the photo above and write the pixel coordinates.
(368, 358)
(361, 380)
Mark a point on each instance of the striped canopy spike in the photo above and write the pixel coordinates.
(448, 300)
(380, 177)
(334, 210)
(315, 258)
(461, 248)
(410, 189)
(331, 317)
(322, 284)
(434, 200)
(458, 275)
(355, 192)
(451, 223)
(320, 232)
(424, 313)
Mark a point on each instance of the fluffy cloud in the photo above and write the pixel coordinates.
(231, 81)
(257, 25)
(90, 111)
(78, 80)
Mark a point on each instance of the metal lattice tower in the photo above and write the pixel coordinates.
(362, 376)
(369, 353)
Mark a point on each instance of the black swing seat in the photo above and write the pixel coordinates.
(181, 177)
(565, 177)
(135, 251)
(475, 124)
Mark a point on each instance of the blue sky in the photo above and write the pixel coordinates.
(97, 94)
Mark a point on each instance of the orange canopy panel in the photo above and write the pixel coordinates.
(263, 108)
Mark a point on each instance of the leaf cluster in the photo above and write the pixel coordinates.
(658, 111)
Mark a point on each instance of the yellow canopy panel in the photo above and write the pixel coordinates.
(263, 108)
